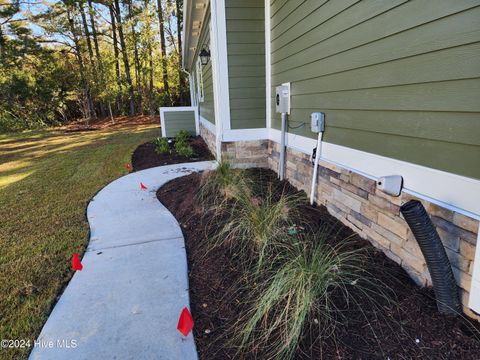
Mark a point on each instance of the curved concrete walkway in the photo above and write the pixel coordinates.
(126, 301)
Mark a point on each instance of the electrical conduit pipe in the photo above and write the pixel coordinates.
(281, 170)
(315, 167)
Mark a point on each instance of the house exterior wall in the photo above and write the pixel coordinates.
(375, 216)
(396, 78)
(245, 21)
(206, 108)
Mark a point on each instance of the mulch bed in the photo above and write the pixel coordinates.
(107, 123)
(145, 157)
(409, 327)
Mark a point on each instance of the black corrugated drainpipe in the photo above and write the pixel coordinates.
(444, 284)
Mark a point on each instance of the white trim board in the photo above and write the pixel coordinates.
(454, 192)
(163, 110)
(268, 66)
(474, 299)
(219, 58)
(245, 134)
(210, 126)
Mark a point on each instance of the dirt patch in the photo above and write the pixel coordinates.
(145, 157)
(107, 123)
(406, 326)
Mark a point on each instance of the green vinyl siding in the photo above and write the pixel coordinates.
(207, 108)
(179, 120)
(246, 62)
(396, 78)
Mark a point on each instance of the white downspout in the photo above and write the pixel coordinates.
(315, 168)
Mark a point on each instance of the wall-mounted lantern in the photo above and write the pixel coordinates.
(204, 56)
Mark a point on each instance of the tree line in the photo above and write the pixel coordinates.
(66, 59)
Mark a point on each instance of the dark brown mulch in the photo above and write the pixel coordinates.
(145, 157)
(406, 326)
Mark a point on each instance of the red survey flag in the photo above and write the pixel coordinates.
(143, 187)
(128, 166)
(185, 322)
(76, 263)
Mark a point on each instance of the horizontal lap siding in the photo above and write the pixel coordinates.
(246, 62)
(179, 120)
(207, 109)
(395, 78)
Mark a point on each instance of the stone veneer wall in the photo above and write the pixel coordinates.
(246, 154)
(209, 138)
(374, 215)
(242, 154)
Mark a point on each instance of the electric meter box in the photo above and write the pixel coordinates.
(317, 122)
(282, 99)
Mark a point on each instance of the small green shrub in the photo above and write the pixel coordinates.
(183, 149)
(161, 145)
(297, 287)
(182, 137)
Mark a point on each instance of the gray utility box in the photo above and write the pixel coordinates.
(282, 99)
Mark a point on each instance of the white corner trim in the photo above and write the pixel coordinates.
(163, 110)
(207, 124)
(245, 134)
(219, 58)
(162, 122)
(474, 299)
(268, 66)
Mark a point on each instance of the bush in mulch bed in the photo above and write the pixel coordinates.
(147, 155)
(274, 278)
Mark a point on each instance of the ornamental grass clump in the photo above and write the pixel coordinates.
(254, 223)
(220, 186)
(297, 289)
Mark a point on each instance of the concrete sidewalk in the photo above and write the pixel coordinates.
(126, 301)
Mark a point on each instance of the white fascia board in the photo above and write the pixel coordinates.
(191, 13)
(186, 9)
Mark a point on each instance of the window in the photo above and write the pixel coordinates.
(199, 77)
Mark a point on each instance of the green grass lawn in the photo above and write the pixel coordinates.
(46, 181)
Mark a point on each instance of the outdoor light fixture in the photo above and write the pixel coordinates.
(204, 56)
